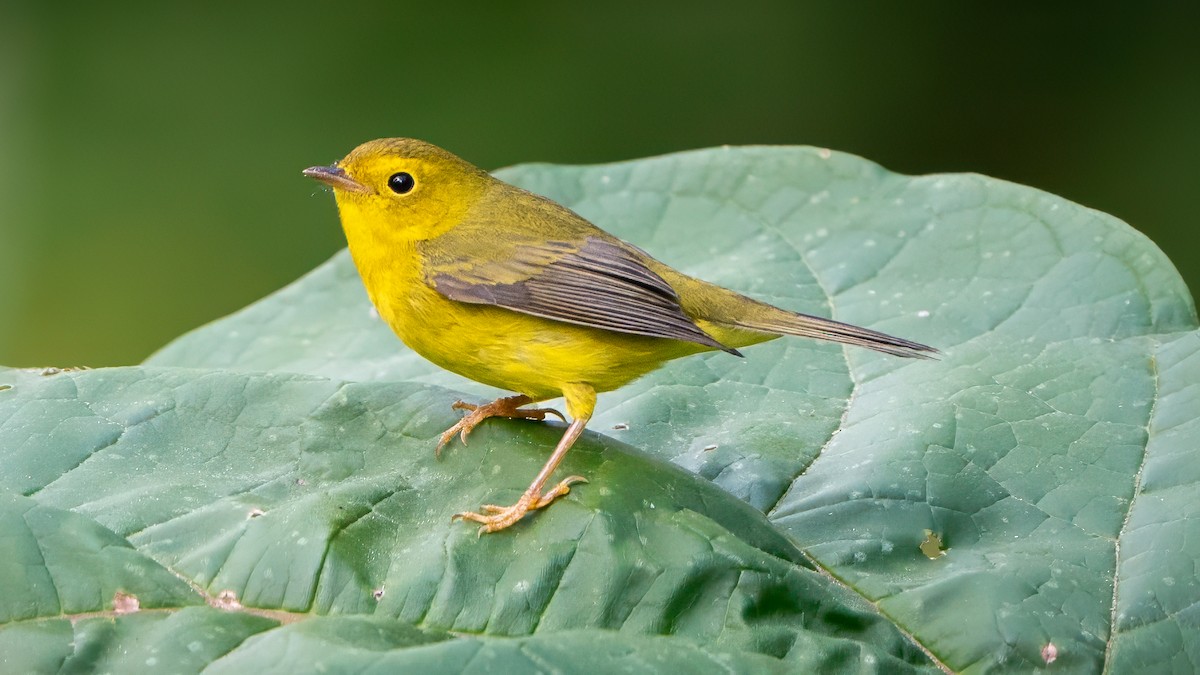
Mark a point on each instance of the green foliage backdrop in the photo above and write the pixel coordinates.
(150, 152)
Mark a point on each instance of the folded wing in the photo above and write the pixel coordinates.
(596, 283)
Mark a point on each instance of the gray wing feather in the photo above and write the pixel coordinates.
(601, 285)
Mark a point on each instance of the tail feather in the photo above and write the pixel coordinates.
(754, 321)
(804, 325)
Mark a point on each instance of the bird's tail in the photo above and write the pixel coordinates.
(738, 321)
(781, 321)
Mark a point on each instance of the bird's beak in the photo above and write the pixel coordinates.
(336, 178)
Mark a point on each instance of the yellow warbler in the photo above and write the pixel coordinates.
(516, 291)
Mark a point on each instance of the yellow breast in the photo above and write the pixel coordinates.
(500, 347)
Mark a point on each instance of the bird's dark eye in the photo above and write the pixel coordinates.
(401, 183)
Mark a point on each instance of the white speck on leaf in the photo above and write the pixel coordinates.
(226, 600)
(125, 603)
(1049, 653)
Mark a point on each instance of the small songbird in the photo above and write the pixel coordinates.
(518, 292)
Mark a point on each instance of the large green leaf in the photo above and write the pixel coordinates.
(1051, 450)
(300, 496)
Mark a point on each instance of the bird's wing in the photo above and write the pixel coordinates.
(592, 281)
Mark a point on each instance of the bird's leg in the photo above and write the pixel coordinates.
(509, 406)
(581, 401)
(497, 518)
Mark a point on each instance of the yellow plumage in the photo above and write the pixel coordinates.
(515, 291)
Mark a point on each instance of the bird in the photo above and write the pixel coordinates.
(513, 290)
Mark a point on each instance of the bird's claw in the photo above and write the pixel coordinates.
(495, 518)
(504, 407)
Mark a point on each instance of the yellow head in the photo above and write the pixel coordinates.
(400, 190)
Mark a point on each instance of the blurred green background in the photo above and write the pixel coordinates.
(150, 153)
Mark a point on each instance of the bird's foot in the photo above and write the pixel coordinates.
(502, 407)
(495, 518)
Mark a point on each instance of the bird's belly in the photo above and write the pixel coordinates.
(522, 353)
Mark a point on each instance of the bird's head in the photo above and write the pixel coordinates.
(397, 189)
